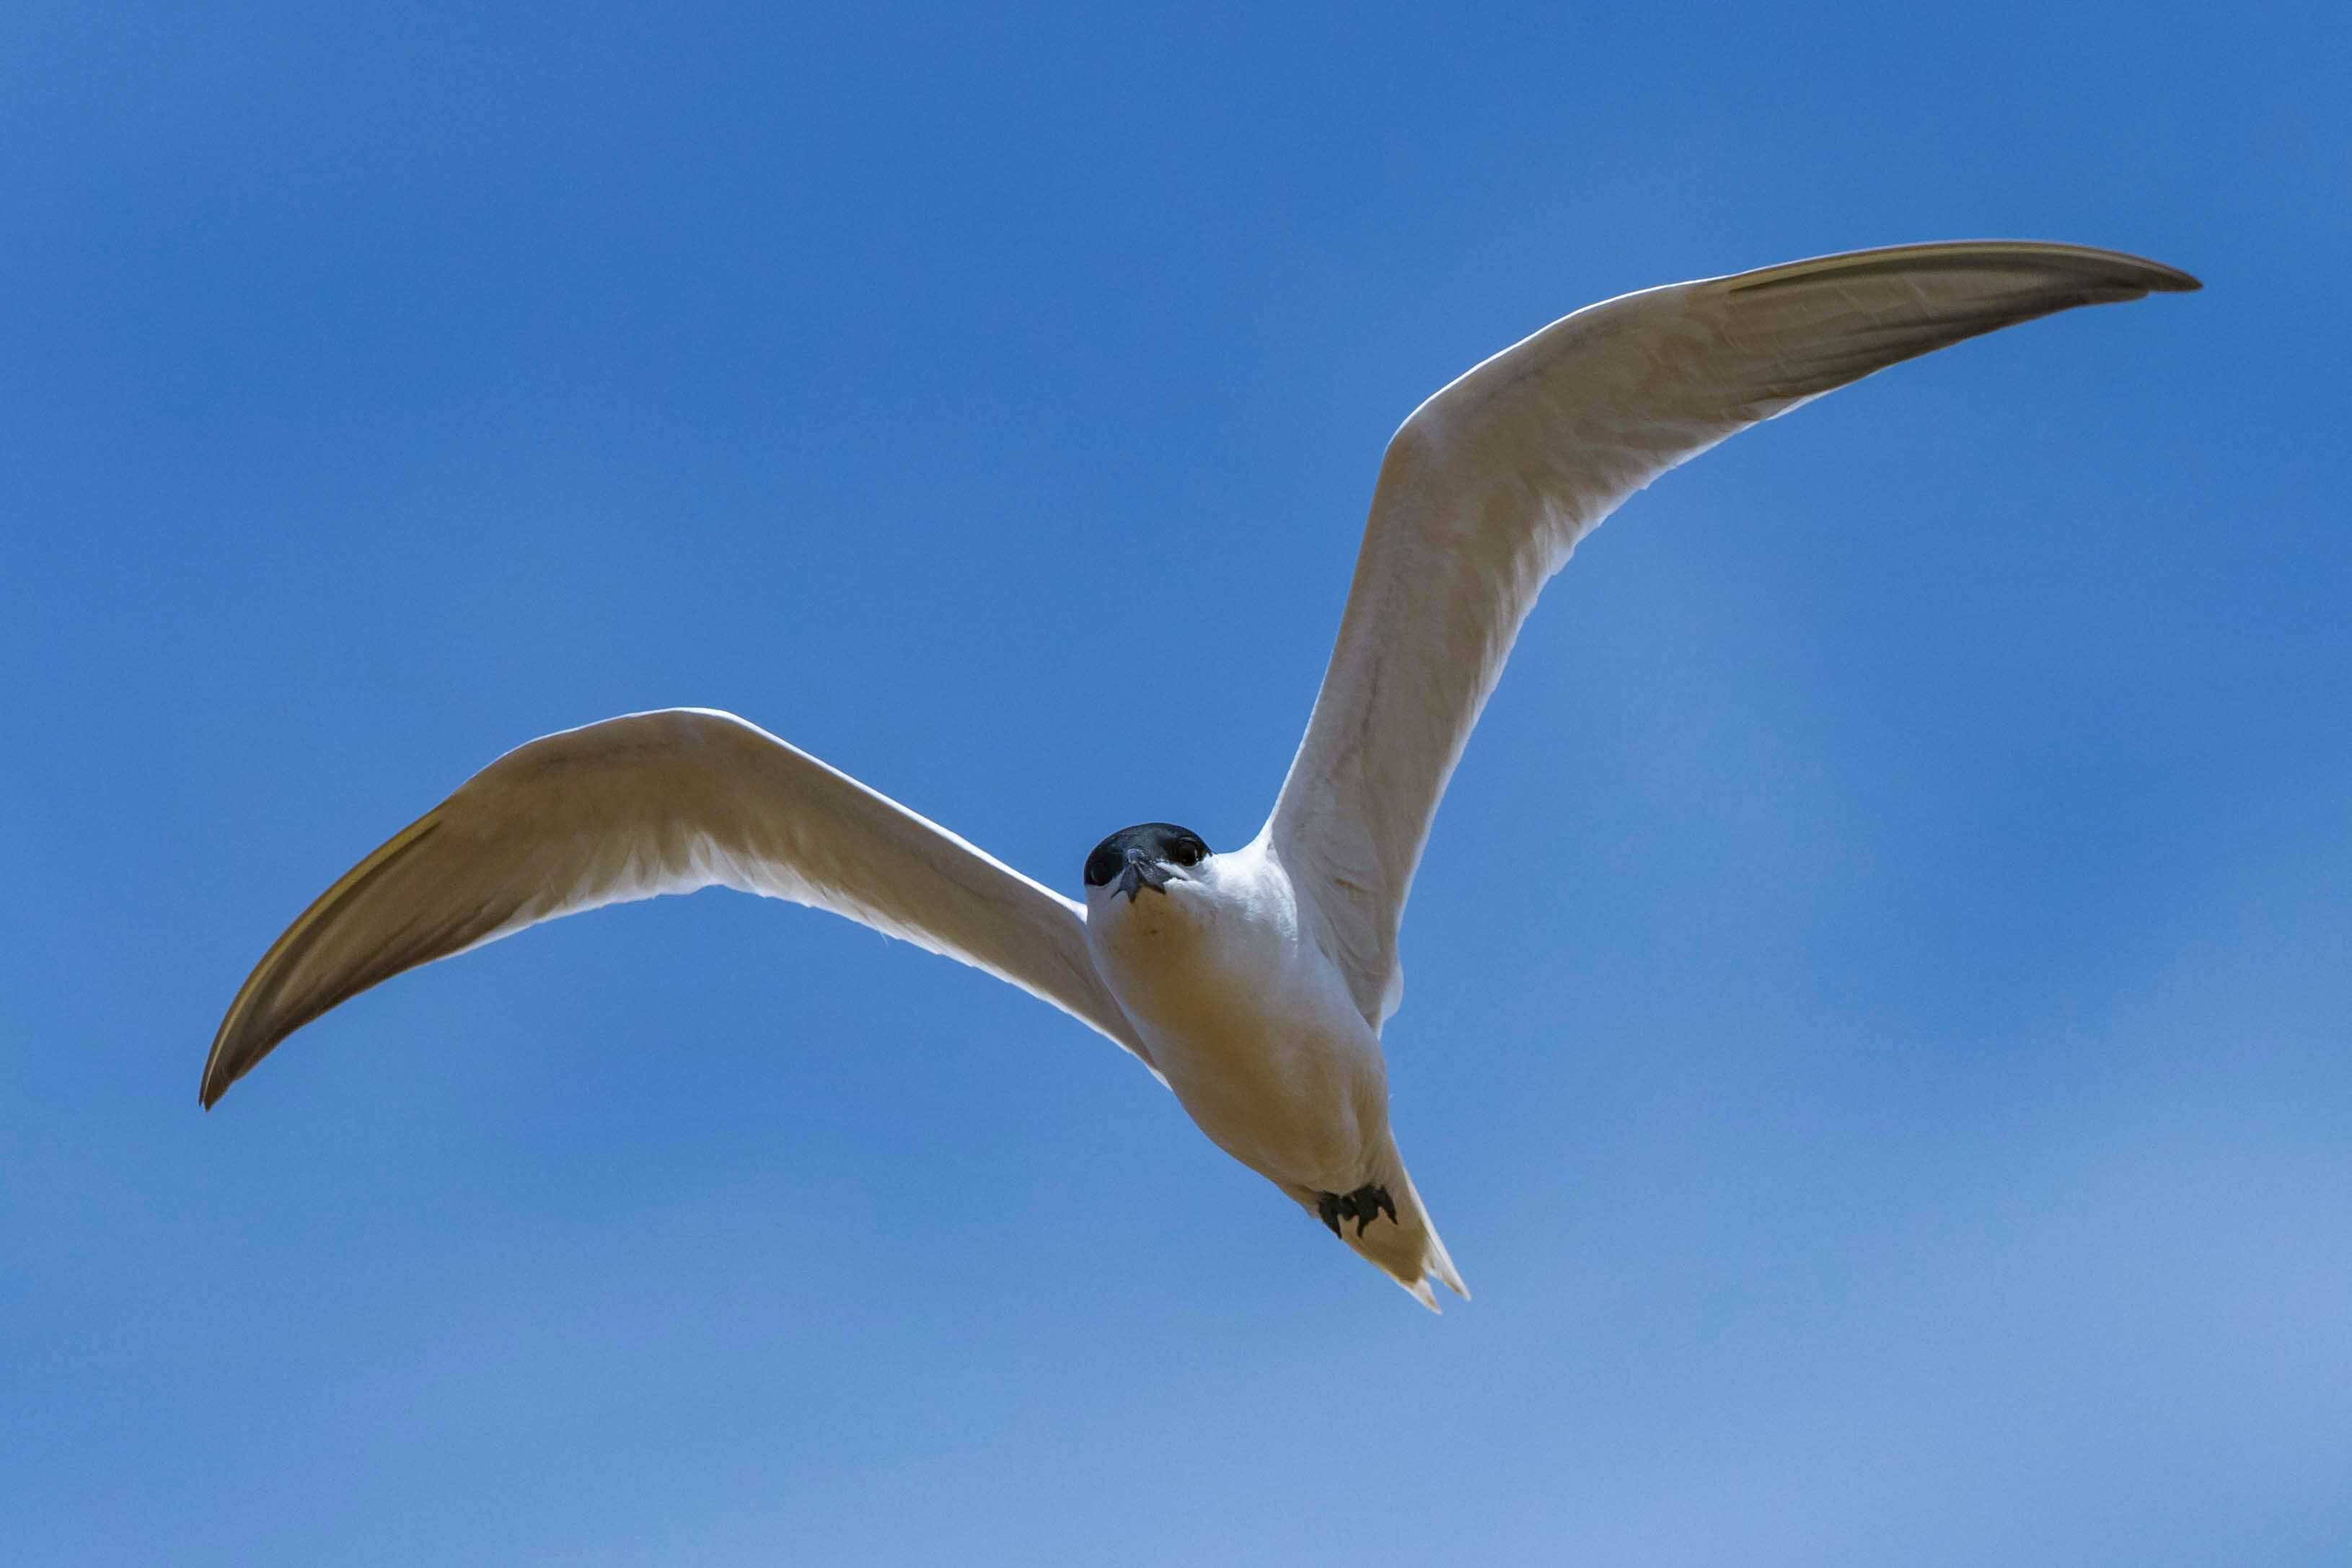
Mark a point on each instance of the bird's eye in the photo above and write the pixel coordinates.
(1188, 852)
(1102, 867)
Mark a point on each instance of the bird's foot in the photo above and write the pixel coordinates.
(1363, 1205)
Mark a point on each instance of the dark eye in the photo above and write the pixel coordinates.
(1102, 866)
(1188, 852)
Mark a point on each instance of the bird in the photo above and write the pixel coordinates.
(1256, 983)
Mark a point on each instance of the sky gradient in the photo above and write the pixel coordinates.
(1875, 1034)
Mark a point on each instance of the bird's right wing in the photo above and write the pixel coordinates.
(646, 805)
(1491, 483)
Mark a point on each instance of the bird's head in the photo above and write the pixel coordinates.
(1149, 855)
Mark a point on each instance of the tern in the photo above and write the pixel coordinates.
(1255, 982)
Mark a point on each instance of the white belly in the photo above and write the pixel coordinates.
(1252, 1027)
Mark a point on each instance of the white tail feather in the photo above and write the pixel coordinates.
(1406, 1249)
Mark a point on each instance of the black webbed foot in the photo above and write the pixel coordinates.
(1327, 1206)
(1363, 1205)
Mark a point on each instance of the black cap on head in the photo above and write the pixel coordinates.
(1146, 847)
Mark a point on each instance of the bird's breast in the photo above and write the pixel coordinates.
(1252, 1029)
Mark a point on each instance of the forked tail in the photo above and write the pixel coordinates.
(1404, 1247)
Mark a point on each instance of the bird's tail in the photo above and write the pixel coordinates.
(1407, 1248)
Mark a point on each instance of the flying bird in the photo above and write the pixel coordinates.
(1254, 982)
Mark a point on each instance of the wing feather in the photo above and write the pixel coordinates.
(650, 804)
(1487, 488)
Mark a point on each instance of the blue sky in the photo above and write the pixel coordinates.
(1877, 1034)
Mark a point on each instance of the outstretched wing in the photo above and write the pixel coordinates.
(1487, 488)
(646, 805)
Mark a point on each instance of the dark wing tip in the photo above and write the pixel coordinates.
(2106, 269)
(219, 1073)
(235, 1050)
(231, 1057)
(238, 1044)
(2163, 280)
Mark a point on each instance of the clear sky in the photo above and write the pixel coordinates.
(1877, 1034)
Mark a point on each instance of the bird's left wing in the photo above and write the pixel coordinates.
(1491, 483)
(646, 805)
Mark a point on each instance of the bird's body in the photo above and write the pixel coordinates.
(1256, 983)
(1251, 1025)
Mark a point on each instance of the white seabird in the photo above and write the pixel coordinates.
(1254, 982)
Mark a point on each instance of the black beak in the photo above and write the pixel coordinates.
(1141, 872)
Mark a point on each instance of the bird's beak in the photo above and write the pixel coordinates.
(1141, 872)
